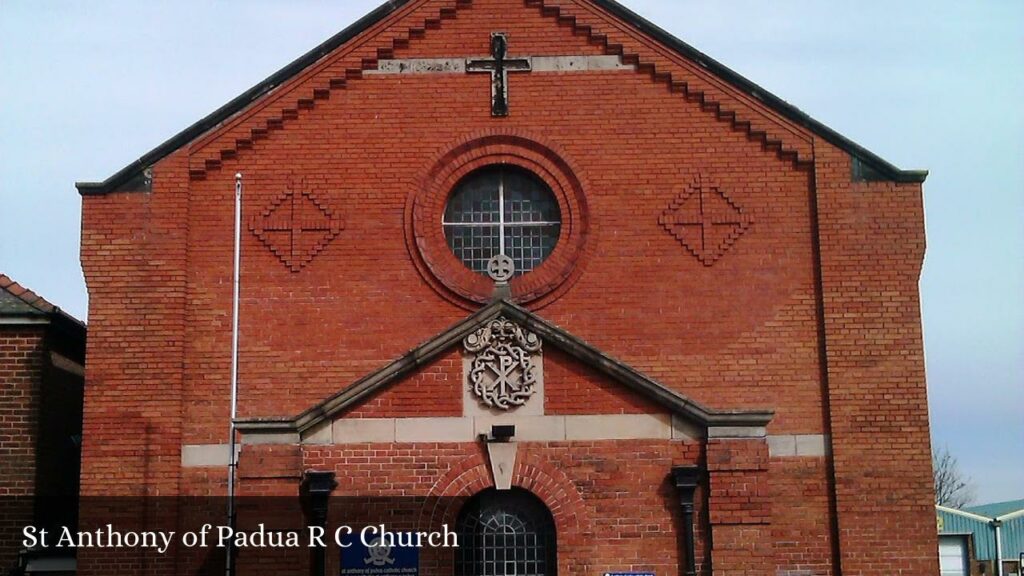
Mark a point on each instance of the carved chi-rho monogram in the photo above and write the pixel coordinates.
(705, 221)
(296, 227)
(502, 374)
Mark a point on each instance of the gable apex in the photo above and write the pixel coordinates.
(867, 165)
(574, 347)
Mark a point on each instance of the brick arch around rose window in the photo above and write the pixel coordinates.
(429, 195)
(548, 483)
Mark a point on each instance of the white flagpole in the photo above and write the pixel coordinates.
(232, 458)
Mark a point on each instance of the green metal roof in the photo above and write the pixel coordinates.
(997, 509)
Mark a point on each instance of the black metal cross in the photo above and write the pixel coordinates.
(498, 66)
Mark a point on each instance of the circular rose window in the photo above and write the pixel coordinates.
(502, 210)
(501, 200)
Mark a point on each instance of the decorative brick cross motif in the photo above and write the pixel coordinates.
(498, 67)
(296, 227)
(705, 221)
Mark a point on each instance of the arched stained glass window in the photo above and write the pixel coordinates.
(502, 210)
(506, 533)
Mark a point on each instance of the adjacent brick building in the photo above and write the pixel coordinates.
(42, 354)
(709, 348)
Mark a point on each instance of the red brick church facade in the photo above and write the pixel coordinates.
(727, 305)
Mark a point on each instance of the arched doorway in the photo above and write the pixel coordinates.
(506, 533)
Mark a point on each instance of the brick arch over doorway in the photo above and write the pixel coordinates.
(472, 476)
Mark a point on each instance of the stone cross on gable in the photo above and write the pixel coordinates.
(499, 66)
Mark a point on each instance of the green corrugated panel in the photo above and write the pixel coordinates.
(984, 534)
(1011, 533)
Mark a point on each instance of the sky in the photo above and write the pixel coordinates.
(87, 87)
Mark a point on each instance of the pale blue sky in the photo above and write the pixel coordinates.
(87, 87)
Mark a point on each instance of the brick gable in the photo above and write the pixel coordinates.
(723, 249)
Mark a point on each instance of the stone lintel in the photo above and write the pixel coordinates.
(419, 66)
(578, 63)
(683, 429)
(358, 431)
(205, 455)
(798, 445)
(528, 429)
(320, 434)
(581, 63)
(737, 432)
(434, 430)
(619, 427)
(255, 438)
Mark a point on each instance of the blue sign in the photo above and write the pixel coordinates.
(377, 560)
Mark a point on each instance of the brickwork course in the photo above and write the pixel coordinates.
(796, 297)
(41, 373)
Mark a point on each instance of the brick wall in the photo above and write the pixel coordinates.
(872, 250)
(41, 414)
(812, 312)
(21, 367)
(738, 334)
(133, 257)
(611, 501)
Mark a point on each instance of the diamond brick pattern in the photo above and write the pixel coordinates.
(705, 221)
(296, 227)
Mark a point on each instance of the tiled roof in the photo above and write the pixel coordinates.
(16, 300)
